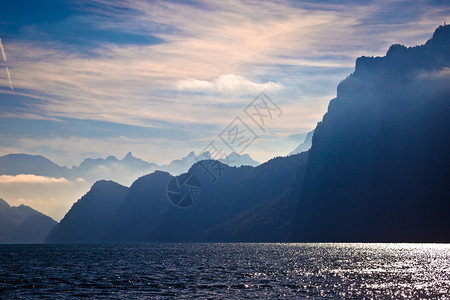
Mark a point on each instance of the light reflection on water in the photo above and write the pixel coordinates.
(226, 270)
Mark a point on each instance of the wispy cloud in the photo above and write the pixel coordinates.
(3, 51)
(213, 56)
(5, 59)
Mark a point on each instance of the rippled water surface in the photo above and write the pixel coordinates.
(225, 271)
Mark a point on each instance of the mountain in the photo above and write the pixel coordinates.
(129, 162)
(89, 219)
(179, 166)
(143, 213)
(15, 164)
(22, 224)
(378, 169)
(238, 160)
(111, 168)
(305, 146)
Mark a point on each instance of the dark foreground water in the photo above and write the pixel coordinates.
(225, 271)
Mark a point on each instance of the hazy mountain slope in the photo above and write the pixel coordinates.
(14, 164)
(378, 168)
(22, 224)
(89, 219)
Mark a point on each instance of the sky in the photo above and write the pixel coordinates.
(96, 78)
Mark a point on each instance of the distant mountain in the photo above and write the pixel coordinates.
(306, 145)
(238, 160)
(15, 164)
(129, 162)
(22, 224)
(111, 168)
(89, 219)
(179, 166)
(124, 171)
(146, 215)
(378, 169)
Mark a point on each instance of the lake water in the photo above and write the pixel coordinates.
(225, 271)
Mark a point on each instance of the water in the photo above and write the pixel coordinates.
(225, 271)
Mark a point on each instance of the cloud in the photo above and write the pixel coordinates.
(29, 178)
(227, 84)
(212, 53)
(217, 51)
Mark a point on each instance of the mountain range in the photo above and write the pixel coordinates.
(143, 213)
(377, 171)
(124, 171)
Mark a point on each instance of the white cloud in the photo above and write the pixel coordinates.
(195, 85)
(228, 84)
(29, 178)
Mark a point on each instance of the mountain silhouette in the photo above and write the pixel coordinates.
(15, 164)
(378, 169)
(22, 224)
(89, 219)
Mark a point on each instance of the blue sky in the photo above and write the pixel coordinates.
(162, 78)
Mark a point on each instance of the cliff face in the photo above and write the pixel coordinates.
(378, 166)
